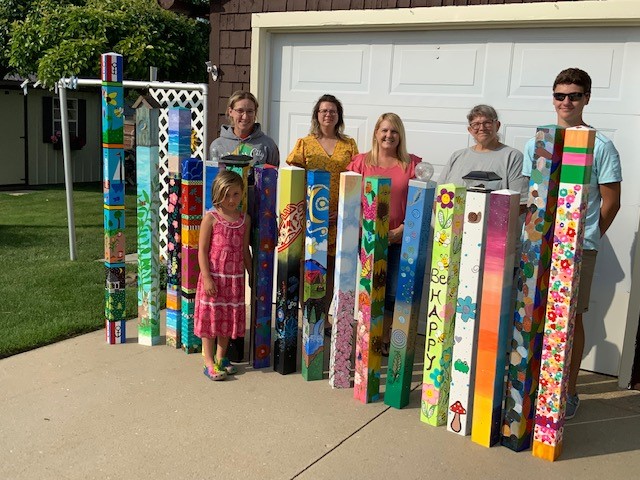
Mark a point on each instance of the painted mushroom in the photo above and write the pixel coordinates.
(458, 410)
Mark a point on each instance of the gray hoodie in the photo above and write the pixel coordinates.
(257, 145)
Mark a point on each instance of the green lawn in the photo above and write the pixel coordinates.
(45, 296)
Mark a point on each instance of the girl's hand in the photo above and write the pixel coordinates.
(210, 287)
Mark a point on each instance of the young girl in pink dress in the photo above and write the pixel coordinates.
(223, 256)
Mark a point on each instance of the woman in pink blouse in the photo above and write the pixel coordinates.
(388, 157)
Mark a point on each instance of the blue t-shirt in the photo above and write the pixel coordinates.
(606, 169)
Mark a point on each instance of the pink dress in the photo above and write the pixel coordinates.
(224, 314)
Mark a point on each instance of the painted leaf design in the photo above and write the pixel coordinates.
(396, 366)
(449, 221)
(441, 220)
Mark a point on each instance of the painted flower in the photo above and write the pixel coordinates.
(437, 376)
(430, 394)
(445, 198)
(466, 308)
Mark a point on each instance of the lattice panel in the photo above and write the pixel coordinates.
(192, 99)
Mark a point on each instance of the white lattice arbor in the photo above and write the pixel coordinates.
(175, 97)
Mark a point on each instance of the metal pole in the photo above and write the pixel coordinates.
(68, 174)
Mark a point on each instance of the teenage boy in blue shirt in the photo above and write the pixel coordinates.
(571, 93)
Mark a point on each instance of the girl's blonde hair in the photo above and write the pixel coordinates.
(236, 97)
(222, 183)
(372, 156)
(315, 125)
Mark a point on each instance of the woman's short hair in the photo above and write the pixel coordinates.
(482, 111)
(315, 125)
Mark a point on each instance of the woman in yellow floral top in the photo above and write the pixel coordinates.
(326, 148)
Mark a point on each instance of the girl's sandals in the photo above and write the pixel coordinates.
(215, 373)
(225, 364)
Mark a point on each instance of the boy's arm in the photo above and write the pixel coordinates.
(610, 193)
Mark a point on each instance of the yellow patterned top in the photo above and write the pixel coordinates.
(309, 154)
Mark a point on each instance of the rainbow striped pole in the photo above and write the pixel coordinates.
(179, 149)
(113, 189)
(467, 311)
(413, 259)
(191, 212)
(441, 309)
(347, 250)
(290, 244)
(373, 256)
(148, 215)
(564, 280)
(314, 312)
(266, 232)
(532, 289)
(496, 316)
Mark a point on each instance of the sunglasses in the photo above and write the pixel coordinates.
(574, 96)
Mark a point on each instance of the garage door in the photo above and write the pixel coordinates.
(431, 79)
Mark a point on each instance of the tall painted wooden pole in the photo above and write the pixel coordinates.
(413, 259)
(191, 212)
(289, 251)
(371, 288)
(564, 280)
(532, 289)
(347, 250)
(441, 309)
(266, 236)
(179, 148)
(113, 189)
(467, 312)
(148, 215)
(314, 310)
(496, 316)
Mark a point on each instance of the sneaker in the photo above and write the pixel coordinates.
(225, 364)
(573, 402)
(216, 373)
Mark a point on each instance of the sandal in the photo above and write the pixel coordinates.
(385, 349)
(225, 364)
(214, 373)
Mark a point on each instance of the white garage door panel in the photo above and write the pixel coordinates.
(432, 79)
(333, 69)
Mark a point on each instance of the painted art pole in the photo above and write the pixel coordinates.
(467, 312)
(496, 316)
(191, 212)
(113, 189)
(441, 308)
(262, 293)
(564, 280)
(371, 288)
(289, 254)
(532, 289)
(314, 309)
(413, 259)
(347, 250)
(179, 148)
(148, 216)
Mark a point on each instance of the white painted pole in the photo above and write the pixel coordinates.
(68, 173)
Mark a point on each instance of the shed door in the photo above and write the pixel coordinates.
(12, 160)
(432, 78)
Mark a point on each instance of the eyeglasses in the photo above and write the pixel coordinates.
(328, 112)
(241, 112)
(487, 125)
(573, 96)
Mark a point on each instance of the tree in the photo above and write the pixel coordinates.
(62, 38)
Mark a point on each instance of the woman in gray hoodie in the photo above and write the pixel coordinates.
(243, 136)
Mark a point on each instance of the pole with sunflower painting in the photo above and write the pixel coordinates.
(441, 307)
(371, 288)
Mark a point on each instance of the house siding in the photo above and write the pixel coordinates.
(230, 38)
